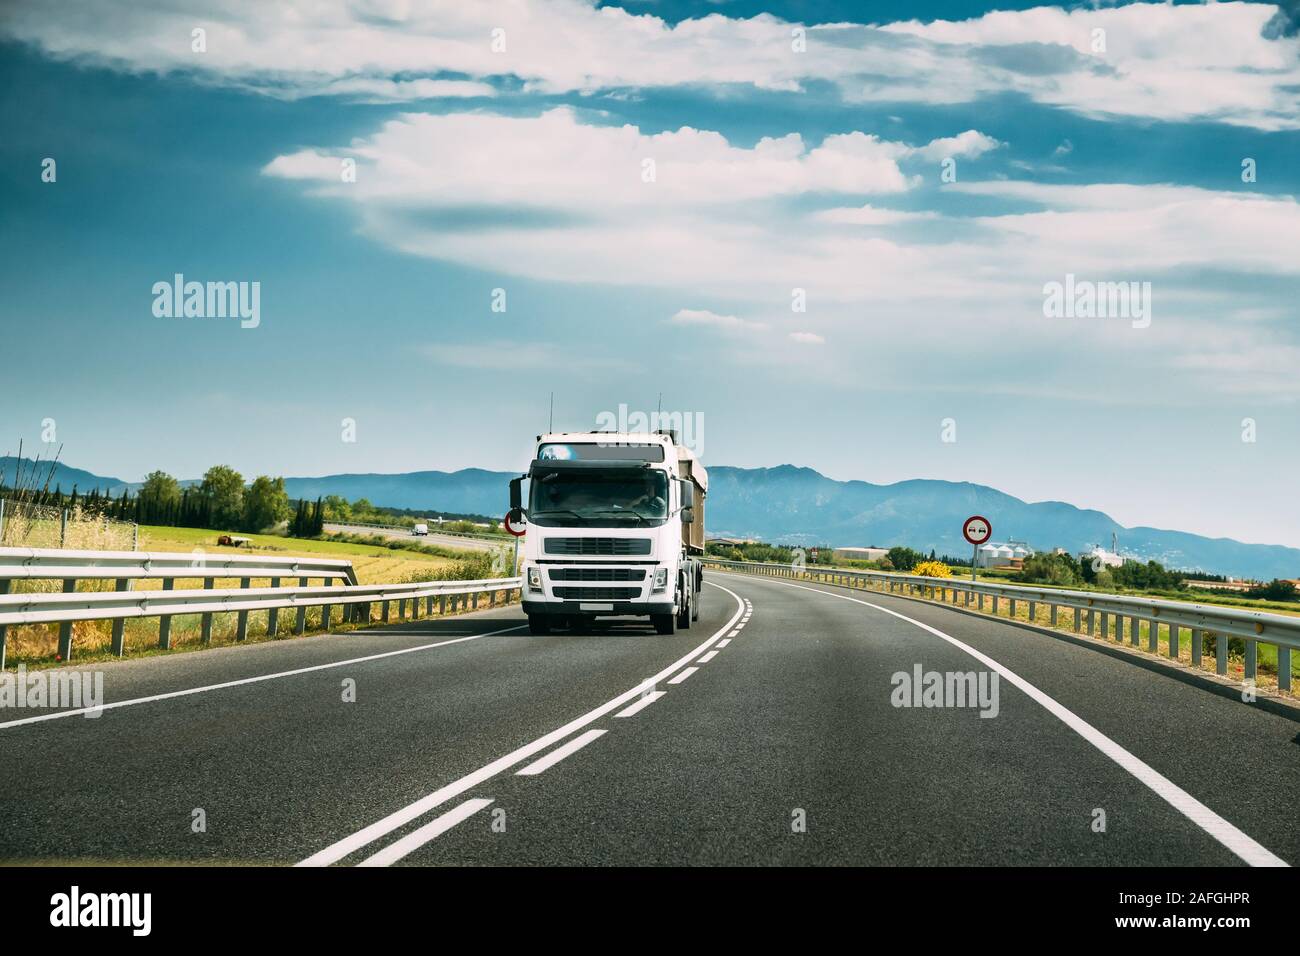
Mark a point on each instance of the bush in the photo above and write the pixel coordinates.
(1059, 569)
(904, 559)
(1275, 590)
(932, 569)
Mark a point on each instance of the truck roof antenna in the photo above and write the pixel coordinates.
(550, 425)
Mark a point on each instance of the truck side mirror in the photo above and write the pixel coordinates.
(688, 494)
(516, 499)
(688, 514)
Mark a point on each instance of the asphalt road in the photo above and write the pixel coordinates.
(781, 746)
(462, 542)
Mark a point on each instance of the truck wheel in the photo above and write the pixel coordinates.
(664, 623)
(684, 612)
(695, 606)
(538, 624)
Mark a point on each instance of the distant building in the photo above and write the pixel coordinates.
(731, 542)
(1101, 558)
(1002, 554)
(860, 554)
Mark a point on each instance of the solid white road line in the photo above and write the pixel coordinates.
(366, 835)
(418, 838)
(641, 704)
(1216, 826)
(683, 675)
(253, 680)
(707, 657)
(559, 753)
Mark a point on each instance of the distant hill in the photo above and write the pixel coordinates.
(796, 505)
(799, 505)
(469, 491)
(64, 477)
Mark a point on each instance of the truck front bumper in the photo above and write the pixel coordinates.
(589, 608)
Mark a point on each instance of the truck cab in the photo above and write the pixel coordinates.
(615, 528)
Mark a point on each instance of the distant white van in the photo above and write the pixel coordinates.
(420, 529)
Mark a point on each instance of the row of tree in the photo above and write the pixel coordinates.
(221, 501)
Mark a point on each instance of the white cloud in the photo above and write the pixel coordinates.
(969, 145)
(704, 317)
(1162, 61)
(868, 215)
(555, 199)
(807, 338)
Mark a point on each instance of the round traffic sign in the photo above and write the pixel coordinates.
(977, 529)
(510, 528)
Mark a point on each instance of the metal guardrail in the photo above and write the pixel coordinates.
(69, 605)
(1093, 612)
(20, 563)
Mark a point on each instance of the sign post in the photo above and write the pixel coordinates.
(976, 530)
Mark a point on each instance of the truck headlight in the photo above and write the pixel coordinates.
(661, 579)
(534, 579)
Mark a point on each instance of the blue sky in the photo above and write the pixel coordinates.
(775, 170)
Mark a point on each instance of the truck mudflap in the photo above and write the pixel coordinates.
(598, 608)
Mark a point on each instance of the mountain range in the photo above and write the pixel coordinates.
(794, 505)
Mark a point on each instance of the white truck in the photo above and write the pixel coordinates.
(420, 529)
(615, 527)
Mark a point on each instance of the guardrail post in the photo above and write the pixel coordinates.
(118, 644)
(65, 629)
(1196, 647)
(428, 606)
(442, 604)
(1051, 610)
(1011, 605)
(273, 615)
(1133, 636)
(241, 627)
(1153, 637)
(384, 616)
(1033, 612)
(165, 621)
(1078, 620)
(1252, 657)
(300, 625)
(473, 601)
(1174, 631)
(1283, 667)
(1088, 620)
(4, 589)
(1221, 654)
(205, 622)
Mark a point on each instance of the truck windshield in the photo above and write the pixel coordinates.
(599, 499)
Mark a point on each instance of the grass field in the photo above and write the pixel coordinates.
(37, 645)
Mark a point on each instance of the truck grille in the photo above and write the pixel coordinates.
(597, 574)
(597, 594)
(598, 546)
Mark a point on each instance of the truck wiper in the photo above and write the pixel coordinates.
(559, 511)
(623, 512)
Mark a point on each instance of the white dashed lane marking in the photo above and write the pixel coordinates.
(641, 704)
(559, 753)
